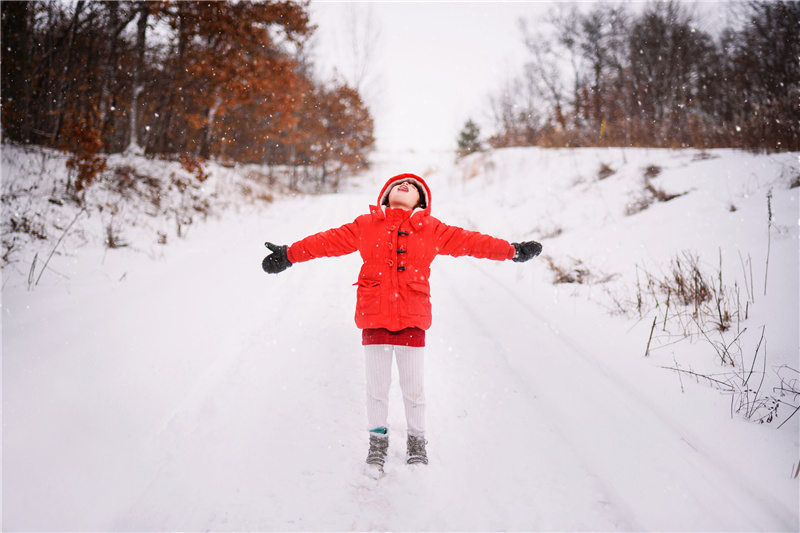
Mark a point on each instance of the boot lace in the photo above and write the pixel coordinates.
(416, 450)
(377, 450)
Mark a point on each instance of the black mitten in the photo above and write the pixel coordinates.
(526, 250)
(277, 260)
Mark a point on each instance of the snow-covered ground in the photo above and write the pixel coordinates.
(177, 387)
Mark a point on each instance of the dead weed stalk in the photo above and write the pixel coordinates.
(690, 301)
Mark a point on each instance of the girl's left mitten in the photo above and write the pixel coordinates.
(277, 260)
(526, 250)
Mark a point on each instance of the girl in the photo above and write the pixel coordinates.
(397, 241)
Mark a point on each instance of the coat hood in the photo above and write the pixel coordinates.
(424, 190)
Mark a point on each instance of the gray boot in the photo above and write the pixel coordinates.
(378, 445)
(416, 450)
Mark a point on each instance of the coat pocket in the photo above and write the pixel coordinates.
(368, 297)
(419, 298)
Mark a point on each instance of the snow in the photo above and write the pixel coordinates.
(177, 387)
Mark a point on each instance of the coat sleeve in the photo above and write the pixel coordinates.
(455, 241)
(330, 243)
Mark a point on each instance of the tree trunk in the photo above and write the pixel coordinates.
(208, 133)
(293, 175)
(67, 85)
(108, 68)
(141, 42)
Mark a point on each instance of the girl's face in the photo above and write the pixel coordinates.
(404, 195)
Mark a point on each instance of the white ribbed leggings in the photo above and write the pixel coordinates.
(410, 368)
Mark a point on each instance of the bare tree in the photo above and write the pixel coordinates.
(364, 33)
(769, 47)
(602, 43)
(545, 70)
(666, 49)
(516, 119)
(143, 12)
(66, 83)
(566, 21)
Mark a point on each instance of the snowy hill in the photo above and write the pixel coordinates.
(169, 384)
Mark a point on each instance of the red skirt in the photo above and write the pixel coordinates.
(405, 337)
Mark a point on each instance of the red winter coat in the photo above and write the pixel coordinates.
(397, 247)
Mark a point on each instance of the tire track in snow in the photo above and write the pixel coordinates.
(614, 508)
(264, 371)
(710, 493)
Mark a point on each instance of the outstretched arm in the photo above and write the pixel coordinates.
(455, 241)
(330, 243)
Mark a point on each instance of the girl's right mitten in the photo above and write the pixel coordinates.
(277, 260)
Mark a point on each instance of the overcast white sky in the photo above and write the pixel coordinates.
(434, 63)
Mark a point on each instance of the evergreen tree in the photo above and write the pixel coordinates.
(469, 139)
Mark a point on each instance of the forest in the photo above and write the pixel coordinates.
(235, 81)
(188, 80)
(657, 75)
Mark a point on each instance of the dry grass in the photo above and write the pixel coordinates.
(650, 193)
(690, 300)
(575, 271)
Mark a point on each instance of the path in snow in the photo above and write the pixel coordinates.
(206, 395)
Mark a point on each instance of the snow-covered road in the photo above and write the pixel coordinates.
(199, 393)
